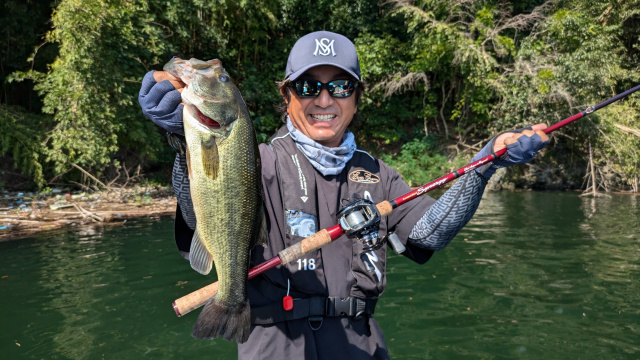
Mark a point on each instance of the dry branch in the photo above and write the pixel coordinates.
(86, 213)
(398, 83)
(90, 176)
(629, 130)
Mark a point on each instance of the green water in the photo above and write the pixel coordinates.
(534, 275)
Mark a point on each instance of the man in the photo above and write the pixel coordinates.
(310, 168)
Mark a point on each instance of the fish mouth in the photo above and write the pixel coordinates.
(207, 99)
(207, 121)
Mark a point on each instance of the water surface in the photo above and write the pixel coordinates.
(534, 275)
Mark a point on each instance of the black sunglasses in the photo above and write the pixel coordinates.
(312, 88)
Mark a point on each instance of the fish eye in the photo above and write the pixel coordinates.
(224, 78)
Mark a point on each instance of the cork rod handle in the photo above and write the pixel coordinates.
(194, 300)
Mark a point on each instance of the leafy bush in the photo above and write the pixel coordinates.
(21, 137)
(419, 162)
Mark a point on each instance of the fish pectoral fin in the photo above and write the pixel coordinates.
(210, 158)
(188, 155)
(200, 258)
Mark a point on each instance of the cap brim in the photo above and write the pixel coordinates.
(297, 74)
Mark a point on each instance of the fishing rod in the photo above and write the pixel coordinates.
(324, 237)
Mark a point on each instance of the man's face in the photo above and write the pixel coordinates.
(323, 118)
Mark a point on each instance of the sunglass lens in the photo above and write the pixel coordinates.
(307, 88)
(336, 88)
(341, 88)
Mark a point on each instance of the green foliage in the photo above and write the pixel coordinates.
(22, 49)
(582, 54)
(437, 72)
(620, 149)
(91, 88)
(421, 161)
(443, 71)
(21, 138)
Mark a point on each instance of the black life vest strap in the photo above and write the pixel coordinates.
(305, 305)
(331, 306)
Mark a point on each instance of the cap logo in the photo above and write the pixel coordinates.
(324, 47)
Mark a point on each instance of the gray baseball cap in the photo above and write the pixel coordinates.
(322, 48)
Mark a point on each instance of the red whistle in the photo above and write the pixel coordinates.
(287, 303)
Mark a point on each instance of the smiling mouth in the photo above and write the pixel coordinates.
(327, 117)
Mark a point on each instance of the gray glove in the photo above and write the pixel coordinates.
(520, 152)
(160, 102)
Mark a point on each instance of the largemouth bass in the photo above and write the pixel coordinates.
(225, 182)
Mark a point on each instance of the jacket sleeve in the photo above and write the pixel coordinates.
(440, 224)
(180, 183)
(404, 217)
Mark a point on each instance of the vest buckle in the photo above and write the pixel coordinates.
(337, 306)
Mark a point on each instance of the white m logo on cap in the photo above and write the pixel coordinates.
(324, 47)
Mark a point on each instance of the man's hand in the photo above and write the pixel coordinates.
(161, 101)
(164, 75)
(509, 138)
(522, 145)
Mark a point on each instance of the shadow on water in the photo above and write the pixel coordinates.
(534, 275)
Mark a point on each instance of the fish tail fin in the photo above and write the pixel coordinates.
(200, 258)
(230, 323)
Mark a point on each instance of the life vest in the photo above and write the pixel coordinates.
(310, 202)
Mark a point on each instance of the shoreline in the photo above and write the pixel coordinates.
(25, 214)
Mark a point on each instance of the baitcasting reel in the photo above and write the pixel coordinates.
(360, 219)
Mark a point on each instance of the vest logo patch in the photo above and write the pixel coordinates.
(363, 176)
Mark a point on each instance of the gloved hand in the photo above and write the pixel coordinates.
(522, 145)
(160, 100)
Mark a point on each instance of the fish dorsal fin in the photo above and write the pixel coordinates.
(200, 258)
(210, 158)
